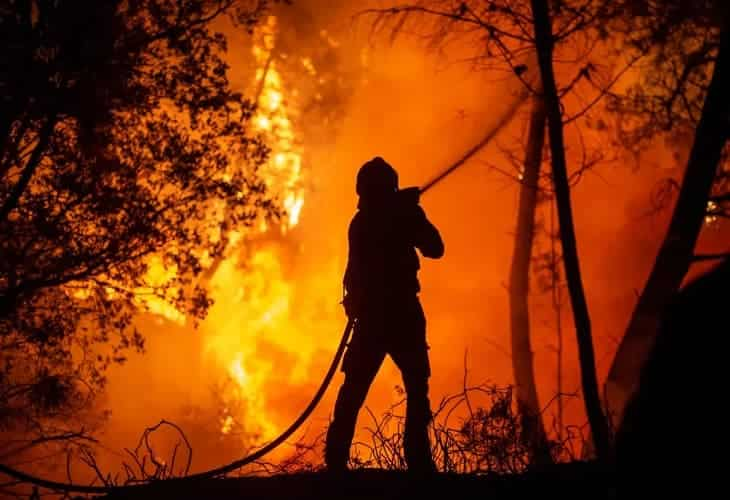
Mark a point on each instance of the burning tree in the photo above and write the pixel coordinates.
(120, 137)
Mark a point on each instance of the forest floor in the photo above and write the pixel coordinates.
(578, 479)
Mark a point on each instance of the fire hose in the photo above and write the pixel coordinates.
(256, 455)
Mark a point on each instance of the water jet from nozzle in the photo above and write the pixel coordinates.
(504, 120)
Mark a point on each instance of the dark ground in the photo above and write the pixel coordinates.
(579, 480)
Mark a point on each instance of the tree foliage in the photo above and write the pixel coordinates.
(120, 139)
(677, 41)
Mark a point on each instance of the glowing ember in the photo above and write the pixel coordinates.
(237, 372)
(293, 205)
(227, 424)
(274, 99)
(711, 207)
(263, 123)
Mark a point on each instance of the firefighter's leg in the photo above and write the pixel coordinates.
(360, 365)
(412, 360)
(418, 411)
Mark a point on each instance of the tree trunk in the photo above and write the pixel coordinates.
(522, 361)
(675, 255)
(544, 46)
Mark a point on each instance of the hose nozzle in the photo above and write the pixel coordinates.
(410, 195)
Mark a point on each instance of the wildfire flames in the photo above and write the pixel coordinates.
(251, 305)
(253, 297)
(254, 303)
(284, 170)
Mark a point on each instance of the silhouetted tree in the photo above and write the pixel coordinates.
(544, 40)
(119, 139)
(508, 32)
(678, 388)
(519, 285)
(683, 87)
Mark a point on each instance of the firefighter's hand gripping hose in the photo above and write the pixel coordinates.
(67, 487)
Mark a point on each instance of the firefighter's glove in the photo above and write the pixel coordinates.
(410, 196)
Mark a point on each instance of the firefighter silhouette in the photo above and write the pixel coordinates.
(381, 292)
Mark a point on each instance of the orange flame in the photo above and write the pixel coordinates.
(252, 336)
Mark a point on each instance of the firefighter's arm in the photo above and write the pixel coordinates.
(424, 234)
(426, 237)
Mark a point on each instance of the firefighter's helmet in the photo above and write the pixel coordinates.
(376, 178)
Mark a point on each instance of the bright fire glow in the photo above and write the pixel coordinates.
(252, 296)
(257, 333)
(254, 336)
(283, 172)
(251, 335)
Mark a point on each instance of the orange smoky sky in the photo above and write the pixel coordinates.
(420, 110)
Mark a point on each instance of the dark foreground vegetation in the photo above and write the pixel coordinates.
(564, 480)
